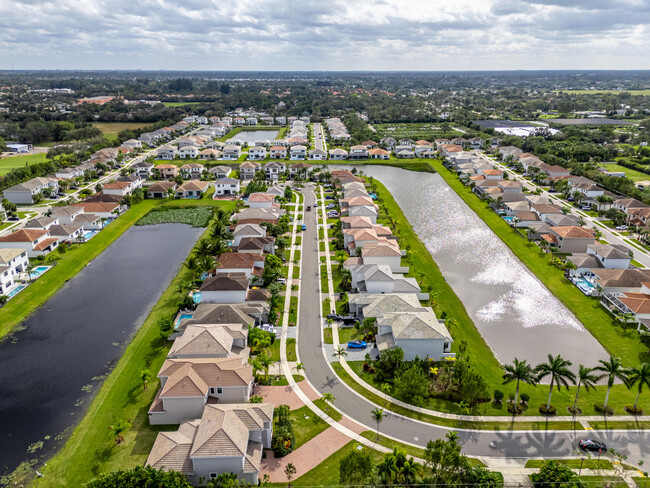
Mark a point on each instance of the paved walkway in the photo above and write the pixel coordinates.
(306, 457)
(279, 395)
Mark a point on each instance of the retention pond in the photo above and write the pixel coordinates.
(61, 354)
(515, 313)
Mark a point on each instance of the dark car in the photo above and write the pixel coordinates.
(592, 445)
(348, 320)
(334, 316)
(308, 208)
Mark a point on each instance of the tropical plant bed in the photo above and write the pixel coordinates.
(196, 217)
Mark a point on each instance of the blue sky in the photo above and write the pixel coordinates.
(325, 35)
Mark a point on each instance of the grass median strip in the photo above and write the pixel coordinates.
(431, 419)
(573, 463)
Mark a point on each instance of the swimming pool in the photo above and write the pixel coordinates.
(15, 291)
(183, 316)
(89, 233)
(585, 286)
(508, 218)
(196, 296)
(38, 271)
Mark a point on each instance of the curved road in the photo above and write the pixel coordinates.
(508, 444)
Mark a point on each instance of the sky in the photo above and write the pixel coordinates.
(332, 35)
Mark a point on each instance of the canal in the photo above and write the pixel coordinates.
(515, 313)
(50, 368)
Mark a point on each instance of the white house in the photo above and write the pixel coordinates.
(225, 287)
(338, 153)
(257, 152)
(317, 154)
(260, 200)
(12, 262)
(231, 152)
(188, 152)
(278, 152)
(358, 152)
(35, 242)
(192, 171)
(297, 152)
(247, 170)
(247, 230)
(226, 186)
(26, 191)
(273, 170)
(166, 152)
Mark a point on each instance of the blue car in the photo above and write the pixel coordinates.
(357, 345)
(304, 227)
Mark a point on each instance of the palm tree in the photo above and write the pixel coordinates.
(388, 469)
(519, 371)
(340, 352)
(642, 377)
(586, 378)
(145, 376)
(613, 370)
(117, 429)
(265, 363)
(558, 369)
(262, 343)
(328, 398)
(299, 367)
(463, 407)
(206, 263)
(378, 415)
(203, 248)
(409, 471)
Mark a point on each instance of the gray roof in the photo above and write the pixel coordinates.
(226, 282)
(609, 251)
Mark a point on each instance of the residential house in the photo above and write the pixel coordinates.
(210, 154)
(226, 186)
(385, 252)
(220, 171)
(249, 265)
(167, 171)
(66, 215)
(26, 192)
(257, 215)
(600, 256)
(570, 239)
(248, 169)
(69, 173)
(162, 189)
(358, 152)
(257, 153)
(119, 188)
(278, 151)
(192, 189)
(301, 169)
(103, 210)
(260, 200)
(35, 242)
(378, 154)
(373, 278)
(42, 223)
(476, 143)
(613, 280)
(67, 232)
(628, 205)
(188, 152)
(247, 230)
(545, 210)
(338, 154)
(273, 169)
(317, 154)
(363, 211)
(226, 439)
(12, 262)
(226, 286)
(256, 245)
(166, 152)
(192, 171)
(143, 169)
(231, 152)
(298, 152)
(510, 186)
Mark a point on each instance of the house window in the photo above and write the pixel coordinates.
(213, 475)
(219, 391)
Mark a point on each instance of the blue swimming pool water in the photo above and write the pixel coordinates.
(38, 271)
(508, 218)
(197, 297)
(89, 233)
(585, 286)
(15, 291)
(183, 316)
(204, 275)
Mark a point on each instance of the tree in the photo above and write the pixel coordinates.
(558, 369)
(412, 385)
(140, 477)
(378, 415)
(145, 377)
(356, 468)
(613, 370)
(519, 371)
(328, 398)
(553, 473)
(167, 327)
(444, 462)
(117, 429)
(389, 363)
(272, 269)
(339, 352)
(586, 378)
(289, 472)
(642, 377)
(299, 367)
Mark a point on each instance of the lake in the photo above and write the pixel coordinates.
(515, 313)
(252, 136)
(49, 369)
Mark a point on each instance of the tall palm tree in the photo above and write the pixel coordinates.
(265, 363)
(409, 471)
(219, 247)
(612, 369)
(642, 377)
(203, 248)
(378, 415)
(340, 352)
(206, 263)
(388, 469)
(519, 371)
(558, 369)
(586, 378)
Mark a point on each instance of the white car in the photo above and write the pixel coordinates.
(621, 227)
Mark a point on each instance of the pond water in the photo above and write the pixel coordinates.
(251, 136)
(49, 369)
(512, 309)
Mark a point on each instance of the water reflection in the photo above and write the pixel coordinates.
(252, 136)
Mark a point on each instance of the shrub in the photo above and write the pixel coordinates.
(600, 408)
(515, 409)
(551, 410)
(498, 396)
(524, 397)
(633, 410)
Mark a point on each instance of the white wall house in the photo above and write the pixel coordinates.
(226, 186)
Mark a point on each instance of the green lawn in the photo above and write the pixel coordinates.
(642, 482)
(573, 463)
(324, 283)
(112, 129)
(306, 425)
(13, 162)
(293, 310)
(327, 408)
(604, 481)
(620, 424)
(179, 104)
(629, 173)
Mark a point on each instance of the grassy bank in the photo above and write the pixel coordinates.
(13, 162)
(69, 264)
(90, 449)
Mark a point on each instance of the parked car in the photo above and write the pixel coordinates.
(592, 445)
(357, 345)
(621, 227)
(334, 316)
(304, 227)
(308, 208)
(331, 205)
(282, 281)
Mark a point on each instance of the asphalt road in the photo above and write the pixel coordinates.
(507, 444)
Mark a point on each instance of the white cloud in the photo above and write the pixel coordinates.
(330, 34)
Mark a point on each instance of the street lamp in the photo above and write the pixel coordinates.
(582, 460)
